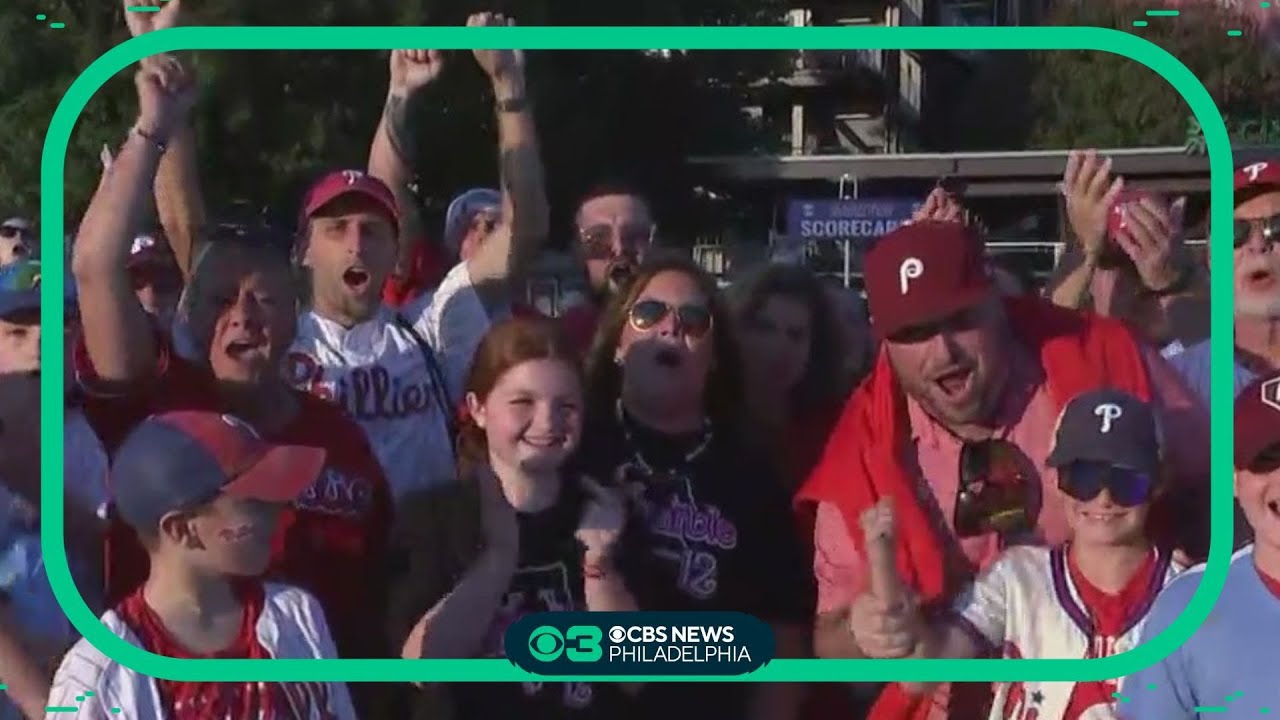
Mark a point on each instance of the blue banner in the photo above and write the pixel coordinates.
(861, 220)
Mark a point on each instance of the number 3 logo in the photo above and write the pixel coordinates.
(582, 643)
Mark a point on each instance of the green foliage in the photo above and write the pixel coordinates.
(269, 121)
(1093, 99)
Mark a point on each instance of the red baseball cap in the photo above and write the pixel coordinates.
(341, 183)
(922, 273)
(183, 459)
(1257, 419)
(1257, 177)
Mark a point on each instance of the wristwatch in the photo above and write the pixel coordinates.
(513, 104)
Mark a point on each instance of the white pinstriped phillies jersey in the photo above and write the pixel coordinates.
(1026, 606)
(291, 626)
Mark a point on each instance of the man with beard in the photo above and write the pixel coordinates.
(615, 230)
(241, 317)
(399, 373)
(953, 427)
(1256, 274)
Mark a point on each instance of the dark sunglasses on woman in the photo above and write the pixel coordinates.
(691, 319)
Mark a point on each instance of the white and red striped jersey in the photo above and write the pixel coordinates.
(291, 625)
(1027, 606)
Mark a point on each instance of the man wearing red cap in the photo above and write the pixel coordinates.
(953, 427)
(1256, 276)
(399, 373)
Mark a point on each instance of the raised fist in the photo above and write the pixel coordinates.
(412, 70)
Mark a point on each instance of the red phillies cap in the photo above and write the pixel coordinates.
(1257, 176)
(183, 459)
(922, 273)
(1257, 419)
(350, 182)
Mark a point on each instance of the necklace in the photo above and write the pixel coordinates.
(644, 464)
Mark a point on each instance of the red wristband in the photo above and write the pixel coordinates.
(594, 571)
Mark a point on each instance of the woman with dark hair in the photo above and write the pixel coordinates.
(794, 362)
(517, 535)
(710, 526)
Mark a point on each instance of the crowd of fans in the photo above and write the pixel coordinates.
(365, 446)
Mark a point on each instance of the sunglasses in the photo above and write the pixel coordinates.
(1268, 226)
(995, 492)
(9, 232)
(598, 240)
(1086, 479)
(691, 319)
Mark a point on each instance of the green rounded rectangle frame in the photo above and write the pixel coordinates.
(634, 38)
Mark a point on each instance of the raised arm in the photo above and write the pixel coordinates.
(179, 201)
(1089, 191)
(117, 333)
(394, 148)
(506, 254)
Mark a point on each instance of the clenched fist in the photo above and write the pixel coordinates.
(412, 70)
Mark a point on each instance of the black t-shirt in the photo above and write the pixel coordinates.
(548, 578)
(712, 533)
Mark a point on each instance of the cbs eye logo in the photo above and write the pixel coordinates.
(580, 643)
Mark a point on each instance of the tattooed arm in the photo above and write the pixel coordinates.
(506, 254)
(394, 149)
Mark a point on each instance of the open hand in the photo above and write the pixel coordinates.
(1089, 192)
(1152, 238)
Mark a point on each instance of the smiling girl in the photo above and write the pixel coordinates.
(518, 535)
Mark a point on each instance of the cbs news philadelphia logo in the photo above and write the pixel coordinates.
(639, 643)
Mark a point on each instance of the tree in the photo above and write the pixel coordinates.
(268, 122)
(1095, 99)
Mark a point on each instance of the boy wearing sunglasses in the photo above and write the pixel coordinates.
(1256, 277)
(1083, 599)
(1231, 657)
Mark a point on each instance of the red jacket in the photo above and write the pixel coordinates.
(862, 462)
